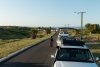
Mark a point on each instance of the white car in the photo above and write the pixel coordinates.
(74, 55)
(60, 38)
(61, 32)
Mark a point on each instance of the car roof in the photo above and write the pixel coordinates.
(77, 47)
(64, 34)
(73, 44)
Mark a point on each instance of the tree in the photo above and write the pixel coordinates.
(94, 28)
(34, 33)
(48, 30)
(89, 27)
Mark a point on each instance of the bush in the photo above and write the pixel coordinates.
(14, 32)
(34, 31)
(48, 30)
(33, 36)
(40, 36)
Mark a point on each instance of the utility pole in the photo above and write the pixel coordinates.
(81, 22)
(68, 25)
(65, 25)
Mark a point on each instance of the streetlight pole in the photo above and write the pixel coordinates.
(81, 22)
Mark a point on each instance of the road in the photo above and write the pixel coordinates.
(37, 56)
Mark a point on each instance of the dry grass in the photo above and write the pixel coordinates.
(10, 47)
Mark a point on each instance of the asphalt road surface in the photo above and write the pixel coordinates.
(37, 56)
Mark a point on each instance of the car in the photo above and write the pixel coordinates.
(62, 32)
(75, 54)
(61, 37)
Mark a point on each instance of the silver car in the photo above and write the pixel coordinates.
(74, 56)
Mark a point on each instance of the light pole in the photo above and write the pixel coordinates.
(81, 22)
(68, 25)
(65, 25)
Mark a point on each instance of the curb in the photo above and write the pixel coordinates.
(5, 59)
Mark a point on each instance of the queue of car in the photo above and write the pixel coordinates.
(72, 53)
(61, 36)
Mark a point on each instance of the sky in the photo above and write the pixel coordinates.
(48, 12)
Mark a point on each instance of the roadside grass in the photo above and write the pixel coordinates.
(95, 49)
(10, 47)
(8, 41)
(96, 34)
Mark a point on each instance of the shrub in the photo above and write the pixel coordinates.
(40, 36)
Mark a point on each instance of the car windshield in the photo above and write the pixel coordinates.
(69, 54)
(61, 32)
(63, 37)
(65, 33)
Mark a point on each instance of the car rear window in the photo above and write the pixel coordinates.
(79, 55)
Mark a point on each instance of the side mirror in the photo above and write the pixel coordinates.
(97, 59)
(52, 56)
